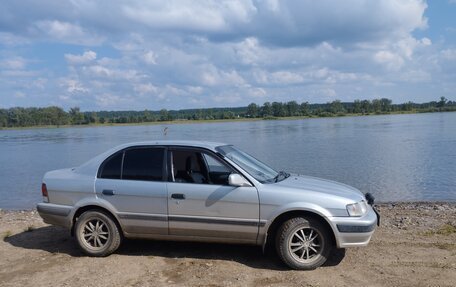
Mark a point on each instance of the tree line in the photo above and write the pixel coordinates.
(56, 116)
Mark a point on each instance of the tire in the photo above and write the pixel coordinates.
(97, 233)
(303, 252)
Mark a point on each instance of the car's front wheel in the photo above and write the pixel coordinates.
(97, 234)
(303, 243)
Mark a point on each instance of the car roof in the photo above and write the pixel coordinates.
(189, 143)
(91, 166)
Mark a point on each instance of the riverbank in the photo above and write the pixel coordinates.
(183, 121)
(414, 246)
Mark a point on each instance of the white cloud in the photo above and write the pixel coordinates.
(389, 59)
(73, 86)
(65, 32)
(179, 54)
(308, 22)
(19, 95)
(143, 89)
(195, 90)
(248, 51)
(415, 76)
(20, 73)
(150, 58)
(211, 76)
(328, 93)
(257, 92)
(426, 41)
(278, 23)
(108, 100)
(197, 16)
(9, 39)
(110, 73)
(449, 54)
(86, 57)
(227, 98)
(286, 77)
(14, 63)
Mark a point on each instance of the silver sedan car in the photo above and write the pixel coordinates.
(204, 191)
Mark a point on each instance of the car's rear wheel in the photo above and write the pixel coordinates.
(97, 233)
(303, 244)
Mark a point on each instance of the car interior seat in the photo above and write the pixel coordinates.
(196, 176)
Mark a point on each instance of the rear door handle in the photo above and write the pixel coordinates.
(108, 192)
(178, 196)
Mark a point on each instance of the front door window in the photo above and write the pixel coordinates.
(198, 167)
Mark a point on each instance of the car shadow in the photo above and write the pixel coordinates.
(58, 240)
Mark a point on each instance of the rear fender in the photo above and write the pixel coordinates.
(95, 202)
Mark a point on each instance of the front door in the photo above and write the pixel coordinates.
(133, 182)
(202, 204)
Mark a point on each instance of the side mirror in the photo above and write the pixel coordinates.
(235, 179)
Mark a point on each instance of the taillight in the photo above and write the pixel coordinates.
(44, 190)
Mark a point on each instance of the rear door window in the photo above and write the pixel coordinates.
(143, 164)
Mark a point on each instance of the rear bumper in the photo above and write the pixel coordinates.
(354, 231)
(55, 214)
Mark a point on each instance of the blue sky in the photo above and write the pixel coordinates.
(124, 55)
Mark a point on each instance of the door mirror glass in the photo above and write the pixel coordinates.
(235, 179)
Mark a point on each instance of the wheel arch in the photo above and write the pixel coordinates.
(272, 228)
(94, 207)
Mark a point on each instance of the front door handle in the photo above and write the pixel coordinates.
(108, 192)
(178, 196)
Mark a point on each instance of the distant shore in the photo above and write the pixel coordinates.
(184, 121)
(415, 245)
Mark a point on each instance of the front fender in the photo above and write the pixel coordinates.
(324, 213)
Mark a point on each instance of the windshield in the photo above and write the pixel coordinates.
(254, 167)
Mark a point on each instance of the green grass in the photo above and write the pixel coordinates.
(445, 229)
(7, 234)
(30, 228)
(446, 246)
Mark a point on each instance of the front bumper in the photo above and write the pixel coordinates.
(355, 231)
(55, 214)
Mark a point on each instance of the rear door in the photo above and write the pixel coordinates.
(201, 203)
(133, 181)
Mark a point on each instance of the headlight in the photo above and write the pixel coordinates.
(357, 209)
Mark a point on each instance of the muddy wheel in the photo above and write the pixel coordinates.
(97, 233)
(303, 244)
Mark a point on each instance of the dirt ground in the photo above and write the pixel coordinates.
(415, 246)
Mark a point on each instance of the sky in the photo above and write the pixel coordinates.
(136, 55)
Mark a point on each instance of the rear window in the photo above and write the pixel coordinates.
(143, 164)
(112, 167)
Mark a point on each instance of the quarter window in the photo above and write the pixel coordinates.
(112, 167)
(143, 164)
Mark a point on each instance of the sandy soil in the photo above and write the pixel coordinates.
(415, 246)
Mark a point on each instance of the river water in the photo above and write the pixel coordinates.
(395, 157)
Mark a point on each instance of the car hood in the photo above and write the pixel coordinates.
(309, 183)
